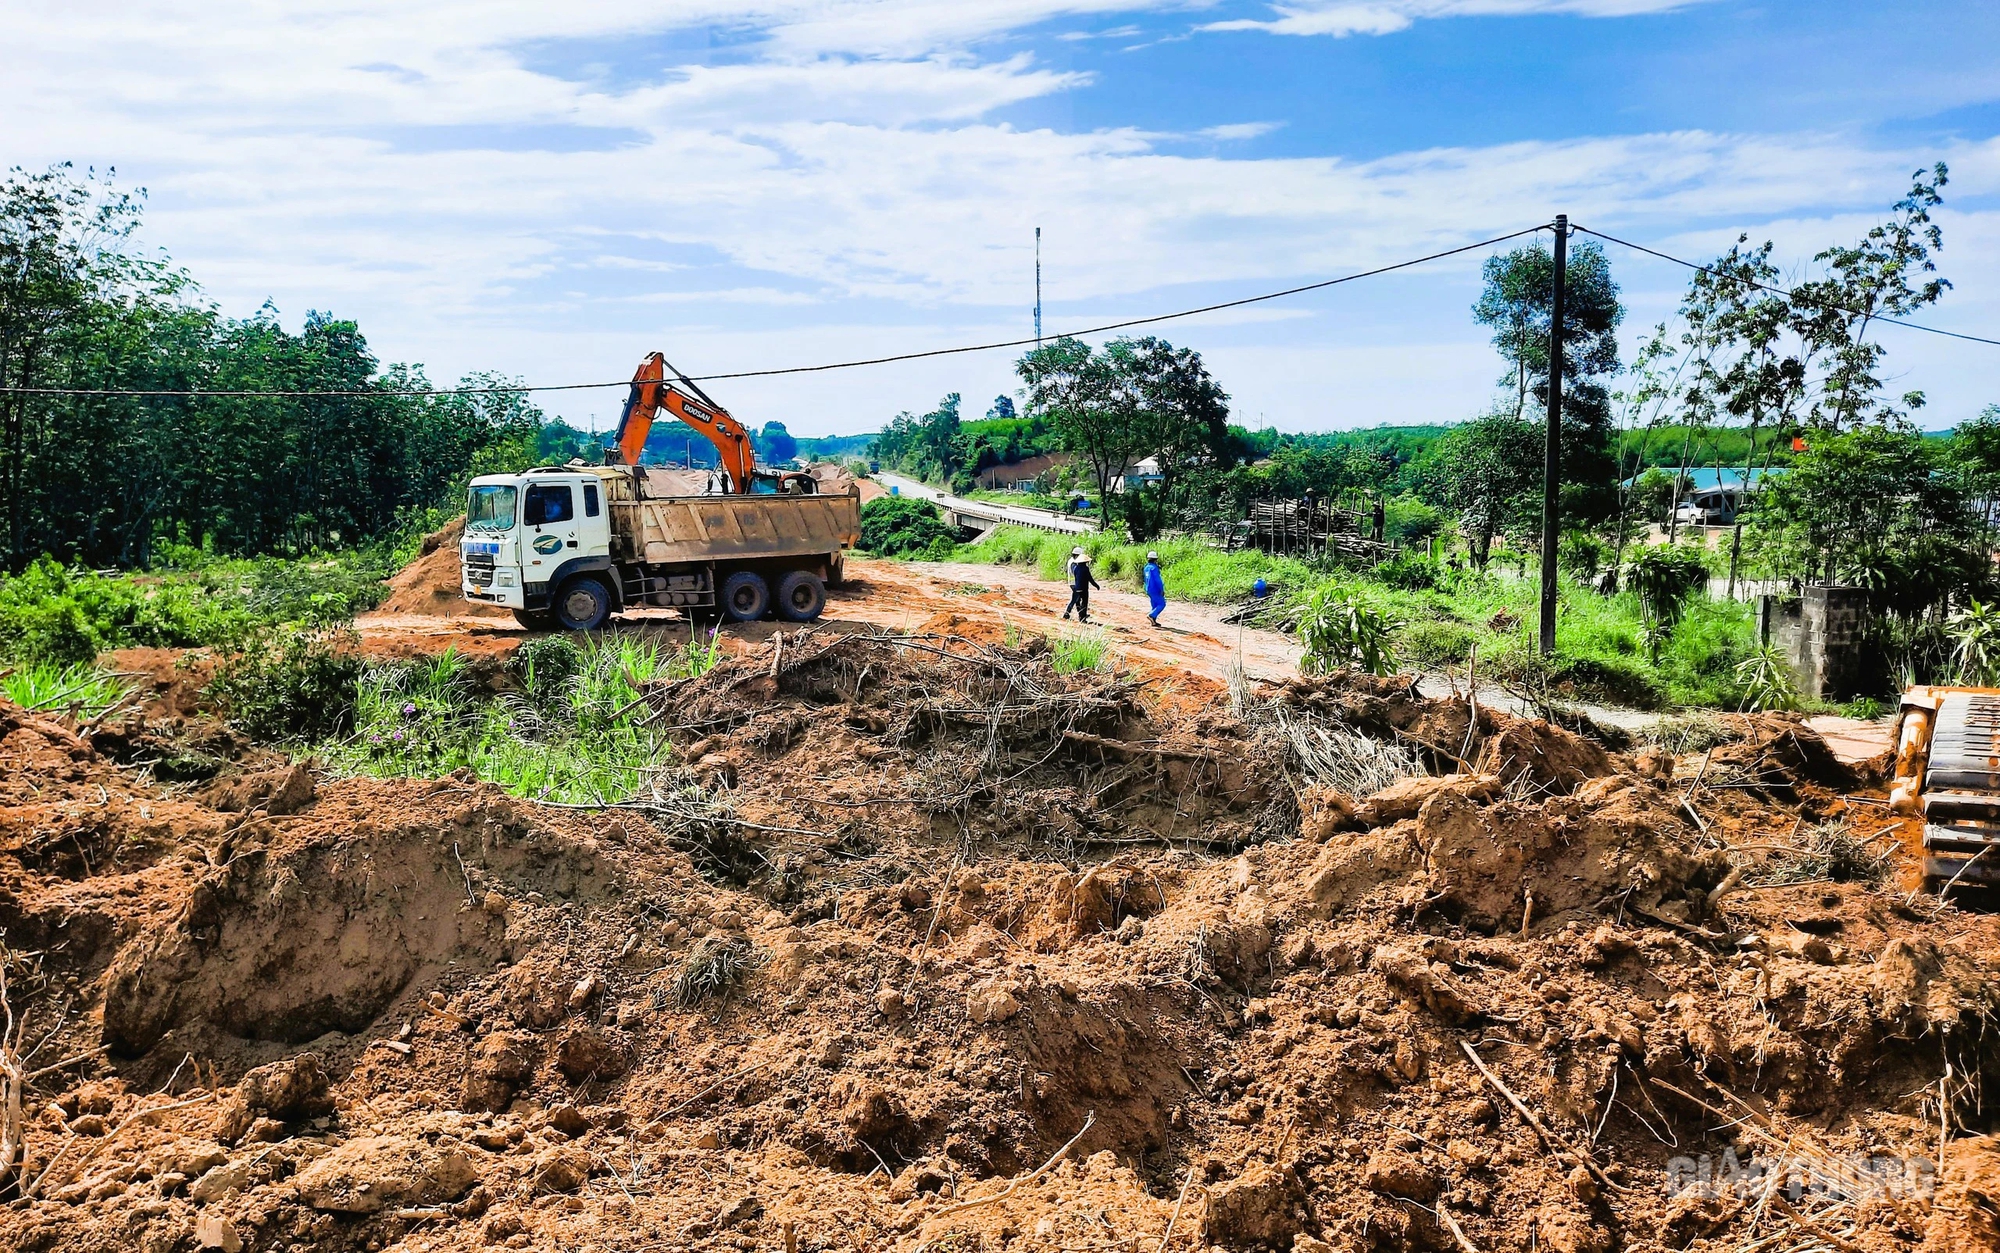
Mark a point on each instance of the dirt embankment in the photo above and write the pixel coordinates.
(923, 945)
(430, 585)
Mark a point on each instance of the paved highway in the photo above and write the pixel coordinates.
(982, 512)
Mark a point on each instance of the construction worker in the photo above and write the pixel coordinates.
(1080, 583)
(1156, 588)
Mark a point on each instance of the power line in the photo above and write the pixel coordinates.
(1787, 294)
(520, 389)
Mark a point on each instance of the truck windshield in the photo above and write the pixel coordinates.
(490, 509)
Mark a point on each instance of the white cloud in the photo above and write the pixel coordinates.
(1238, 130)
(835, 191)
(1383, 17)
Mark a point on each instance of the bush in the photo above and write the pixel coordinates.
(1341, 632)
(901, 526)
(1409, 572)
(62, 616)
(1409, 521)
(289, 685)
(1434, 645)
(544, 664)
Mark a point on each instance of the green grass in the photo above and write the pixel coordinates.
(44, 687)
(52, 614)
(1084, 651)
(572, 733)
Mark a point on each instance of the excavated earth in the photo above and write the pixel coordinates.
(923, 945)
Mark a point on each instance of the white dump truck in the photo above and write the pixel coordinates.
(568, 546)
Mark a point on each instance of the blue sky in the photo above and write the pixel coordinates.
(552, 191)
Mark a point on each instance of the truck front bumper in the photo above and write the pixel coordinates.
(489, 586)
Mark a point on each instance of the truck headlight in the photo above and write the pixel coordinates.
(505, 578)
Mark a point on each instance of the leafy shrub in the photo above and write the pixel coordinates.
(1339, 632)
(1409, 572)
(1434, 645)
(288, 685)
(1581, 555)
(63, 616)
(1665, 576)
(1407, 520)
(543, 664)
(1767, 681)
(1864, 709)
(1975, 639)
(902, 526)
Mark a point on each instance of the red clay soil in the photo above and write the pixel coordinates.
(430, 585)
(922, 945)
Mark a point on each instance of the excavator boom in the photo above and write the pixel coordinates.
(651, 392)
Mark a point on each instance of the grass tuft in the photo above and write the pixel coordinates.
(1084, 652)
(715, 965)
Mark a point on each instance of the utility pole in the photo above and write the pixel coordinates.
(1038, 287)
(1552, 445)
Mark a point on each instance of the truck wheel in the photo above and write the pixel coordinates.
(801, 596)
(534, 621)
(745, 596)
(582, 604)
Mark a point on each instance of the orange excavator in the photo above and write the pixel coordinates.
(651, 392)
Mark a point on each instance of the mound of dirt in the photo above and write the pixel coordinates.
(914, 942)
(430, 586)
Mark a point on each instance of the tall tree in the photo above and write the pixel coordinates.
(1084, 399)
(1518, 303)
(1179, 417)
(1888, 274)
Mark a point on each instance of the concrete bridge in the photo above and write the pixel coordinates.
(984, 515)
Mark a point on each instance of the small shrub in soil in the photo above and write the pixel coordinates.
(715, 966)
(289, 684)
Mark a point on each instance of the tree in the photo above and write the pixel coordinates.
(100, 477)
(927, 447)
(1518, 302)
(1877, 508)
(1002, 407)
(1179, 417)
(777, 444)
(1082, 396)
(1882, 276)
(1489, 472)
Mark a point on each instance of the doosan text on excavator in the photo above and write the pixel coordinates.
(568, 546)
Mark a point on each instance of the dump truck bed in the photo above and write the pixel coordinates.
(679, 529)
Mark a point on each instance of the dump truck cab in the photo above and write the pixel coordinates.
(530, 538)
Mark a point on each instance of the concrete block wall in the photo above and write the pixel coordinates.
(1824, 635)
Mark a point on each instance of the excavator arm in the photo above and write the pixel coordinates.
(651, 392)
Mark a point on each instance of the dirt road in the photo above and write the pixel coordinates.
(905, 595)
(1192, 641)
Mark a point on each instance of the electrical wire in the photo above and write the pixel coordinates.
(1780, 291)
(521, 389)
